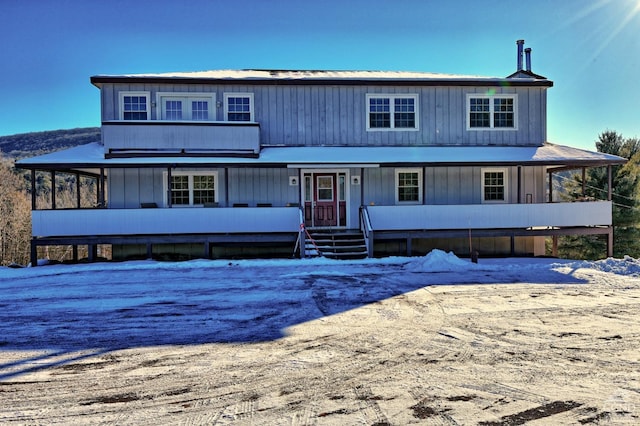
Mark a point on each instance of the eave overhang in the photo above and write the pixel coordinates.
(92, 156)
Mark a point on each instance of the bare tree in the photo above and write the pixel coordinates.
(15, 217)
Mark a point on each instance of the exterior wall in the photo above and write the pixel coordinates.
(336, 115)
(454, 185)
(252, 186)
(128, 188)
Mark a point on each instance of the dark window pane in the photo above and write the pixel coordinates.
(239, 108)
(494, 188)
(404, 116)
(379, 113)
(479, 115)
(408, 186)
(180, 190)
(134, 108)
(503, 112)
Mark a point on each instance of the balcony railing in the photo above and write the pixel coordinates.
(489, 216)
(180, 136)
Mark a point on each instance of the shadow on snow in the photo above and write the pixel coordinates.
(72, 314)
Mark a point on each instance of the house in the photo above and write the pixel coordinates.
(274, 162)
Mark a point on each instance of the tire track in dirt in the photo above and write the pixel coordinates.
(369, 407)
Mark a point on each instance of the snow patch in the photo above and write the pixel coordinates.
(627, 266)
(440, 261)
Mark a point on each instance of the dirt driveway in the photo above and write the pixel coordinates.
(443, 355)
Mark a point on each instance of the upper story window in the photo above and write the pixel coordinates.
(408, 186)
(238, 106)
(492, 112)
(134, 106)
(392, 112)
(186, 106)
(193, 188)
(494, 185)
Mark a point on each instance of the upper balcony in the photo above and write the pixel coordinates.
(153, 137)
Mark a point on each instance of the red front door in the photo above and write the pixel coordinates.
(322, 201)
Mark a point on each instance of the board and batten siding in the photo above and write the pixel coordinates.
(454, 185)
(324, 115)
(252, 186)
(129, 187)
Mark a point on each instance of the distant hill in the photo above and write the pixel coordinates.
(36, 143)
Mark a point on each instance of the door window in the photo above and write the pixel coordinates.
(325, 188)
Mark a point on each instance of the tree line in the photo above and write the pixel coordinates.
(37, 143)
(15, 188)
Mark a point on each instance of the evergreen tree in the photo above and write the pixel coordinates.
(626, 217)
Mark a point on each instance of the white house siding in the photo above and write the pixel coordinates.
(130, 187)
(379, 186)
(336, 115)
(252, 186)
(454, 185)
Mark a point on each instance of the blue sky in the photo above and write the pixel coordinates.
(590, 49)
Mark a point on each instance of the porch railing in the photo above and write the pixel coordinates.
(490, 216)
(164, 221)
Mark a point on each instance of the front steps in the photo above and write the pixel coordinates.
(336, 244)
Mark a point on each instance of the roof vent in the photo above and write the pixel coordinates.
(527, 54)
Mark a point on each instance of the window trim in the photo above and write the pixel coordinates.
(392, 97)
(492, 112)
(190, 174)
(228, 95)
(210, 96)
(121, 96)
(420, 172)
(505, 173)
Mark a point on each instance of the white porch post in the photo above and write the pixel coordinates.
(610, 198)
(169, 187)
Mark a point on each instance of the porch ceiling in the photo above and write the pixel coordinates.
(91, 156)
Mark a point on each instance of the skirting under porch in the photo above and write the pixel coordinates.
(176, 246)
(491, 242)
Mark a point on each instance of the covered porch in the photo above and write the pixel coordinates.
(220, 222)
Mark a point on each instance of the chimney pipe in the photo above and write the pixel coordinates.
(527, 54)
(520, 44)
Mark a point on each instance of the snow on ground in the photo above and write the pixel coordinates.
(318, 341)
(435, 261)
(132, 304)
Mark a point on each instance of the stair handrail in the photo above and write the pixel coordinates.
(301, 233)
(367, 229)
(310, 238)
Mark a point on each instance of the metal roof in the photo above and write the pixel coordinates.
(301, 77)
(92, 156)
